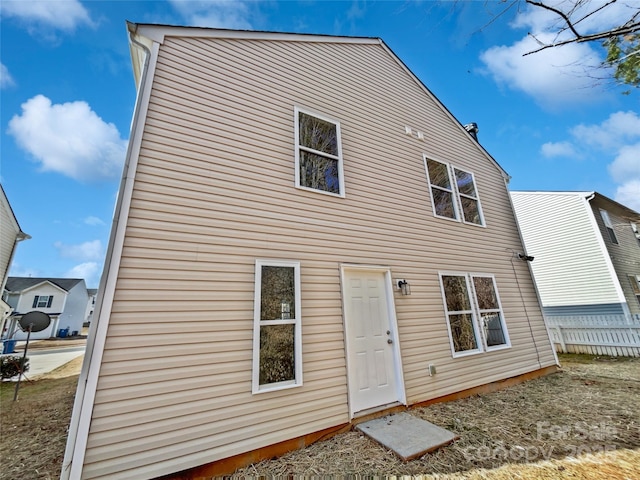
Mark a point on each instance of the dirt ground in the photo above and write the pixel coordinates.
(580, 423)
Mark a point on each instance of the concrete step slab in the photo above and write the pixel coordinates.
(408, 436)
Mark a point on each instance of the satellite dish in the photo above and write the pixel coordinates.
(38, 321)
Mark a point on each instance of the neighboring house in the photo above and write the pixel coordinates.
(304, 236)
(587, 252)
(91, 305)
(10, 235)
(63, 299)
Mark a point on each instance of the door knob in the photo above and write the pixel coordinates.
(389, 340)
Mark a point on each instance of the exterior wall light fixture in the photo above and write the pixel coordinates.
(525, 258)
(404, 287)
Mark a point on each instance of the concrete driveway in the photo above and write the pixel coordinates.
(48, 355)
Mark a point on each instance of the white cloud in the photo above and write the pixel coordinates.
(626, 165)
(214, 13)
(616, 139)
(6, 80)
(90, 271)
(63, 15)
(84, 251)
(559, 75)
(619, 128)
(553, 77)
(628, 194)
(558, 149)
(94, 221)
(70, 139)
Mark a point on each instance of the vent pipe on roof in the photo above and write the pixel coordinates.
(473, 129)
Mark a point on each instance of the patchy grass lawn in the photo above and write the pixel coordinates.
(582, 422)
(33, 430)
(591, 406)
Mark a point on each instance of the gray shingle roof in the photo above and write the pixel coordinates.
(17, 284)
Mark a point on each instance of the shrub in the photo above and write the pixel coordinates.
(10, 365)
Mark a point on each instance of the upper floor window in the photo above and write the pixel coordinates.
(318, 153)
(42, 301)
(453, 192)
(636, 233)
(474, 315)
(277, 339)
(609, 226)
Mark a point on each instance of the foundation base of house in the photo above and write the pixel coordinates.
(231, 464)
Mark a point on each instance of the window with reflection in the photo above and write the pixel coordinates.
(474, 315)
(277, 352)
(318, 153)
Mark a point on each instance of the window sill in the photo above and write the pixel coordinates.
(274, 387)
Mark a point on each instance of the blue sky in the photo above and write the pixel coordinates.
(67, 98)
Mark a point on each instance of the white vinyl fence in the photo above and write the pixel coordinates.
(615, 335)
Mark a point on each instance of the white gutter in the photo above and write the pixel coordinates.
(73, 461)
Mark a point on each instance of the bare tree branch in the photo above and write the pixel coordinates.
(629, 27)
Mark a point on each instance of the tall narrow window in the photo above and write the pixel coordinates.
(277, 340)
(442, 194)
(318, 154)
(470, 301)
(609, 226)
(469, 201)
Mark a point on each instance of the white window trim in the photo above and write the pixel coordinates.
(505, 333)
(257, 323)
(457, 196)
(460, 195)
(297, 110)
(475, 314)
(474, 320)
(456, 208)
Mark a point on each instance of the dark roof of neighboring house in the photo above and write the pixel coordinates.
(18, 284)
(92, 291)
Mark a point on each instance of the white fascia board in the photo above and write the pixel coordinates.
(157, 33)
(73, 462)
(550, 193)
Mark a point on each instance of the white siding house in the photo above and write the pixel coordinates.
(63, 299)
(586, 249)
(321, 228)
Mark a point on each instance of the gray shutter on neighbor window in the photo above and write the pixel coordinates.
(50, 300)
(35, 301)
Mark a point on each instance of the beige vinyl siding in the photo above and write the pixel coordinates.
(9, 231)
(214, 190)
(625, 255)
(570, 266)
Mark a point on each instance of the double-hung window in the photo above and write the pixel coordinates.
(453, 192)
(318, 153)
(609, 226)
(42, 301)
(277, 339)
(474, 315)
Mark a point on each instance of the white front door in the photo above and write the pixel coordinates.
(372, 354)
